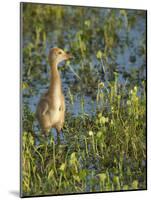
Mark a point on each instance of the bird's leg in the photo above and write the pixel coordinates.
(58, 135)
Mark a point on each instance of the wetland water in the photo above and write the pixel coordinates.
(129, 62)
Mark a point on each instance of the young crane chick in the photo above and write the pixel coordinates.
(51, 107)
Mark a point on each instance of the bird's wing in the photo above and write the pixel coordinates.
(43, 107)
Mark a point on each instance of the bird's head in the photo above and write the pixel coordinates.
(57, 55)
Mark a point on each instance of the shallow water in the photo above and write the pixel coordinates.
(128, 60)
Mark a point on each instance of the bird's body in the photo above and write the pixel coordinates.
(51, 107)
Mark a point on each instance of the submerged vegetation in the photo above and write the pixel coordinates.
(103, 143)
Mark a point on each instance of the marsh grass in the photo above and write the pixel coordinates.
(105, 152)
(102, 150)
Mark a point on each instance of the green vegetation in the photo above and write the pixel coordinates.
(103, 145)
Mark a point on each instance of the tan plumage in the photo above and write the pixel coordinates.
(51, 107)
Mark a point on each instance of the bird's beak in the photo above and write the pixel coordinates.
(68, 56)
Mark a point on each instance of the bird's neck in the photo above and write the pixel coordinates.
(55, 81)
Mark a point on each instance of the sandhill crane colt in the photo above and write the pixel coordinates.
(51, 107)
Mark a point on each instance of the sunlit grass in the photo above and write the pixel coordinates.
(105, 152)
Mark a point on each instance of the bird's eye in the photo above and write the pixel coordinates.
(59, 52)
